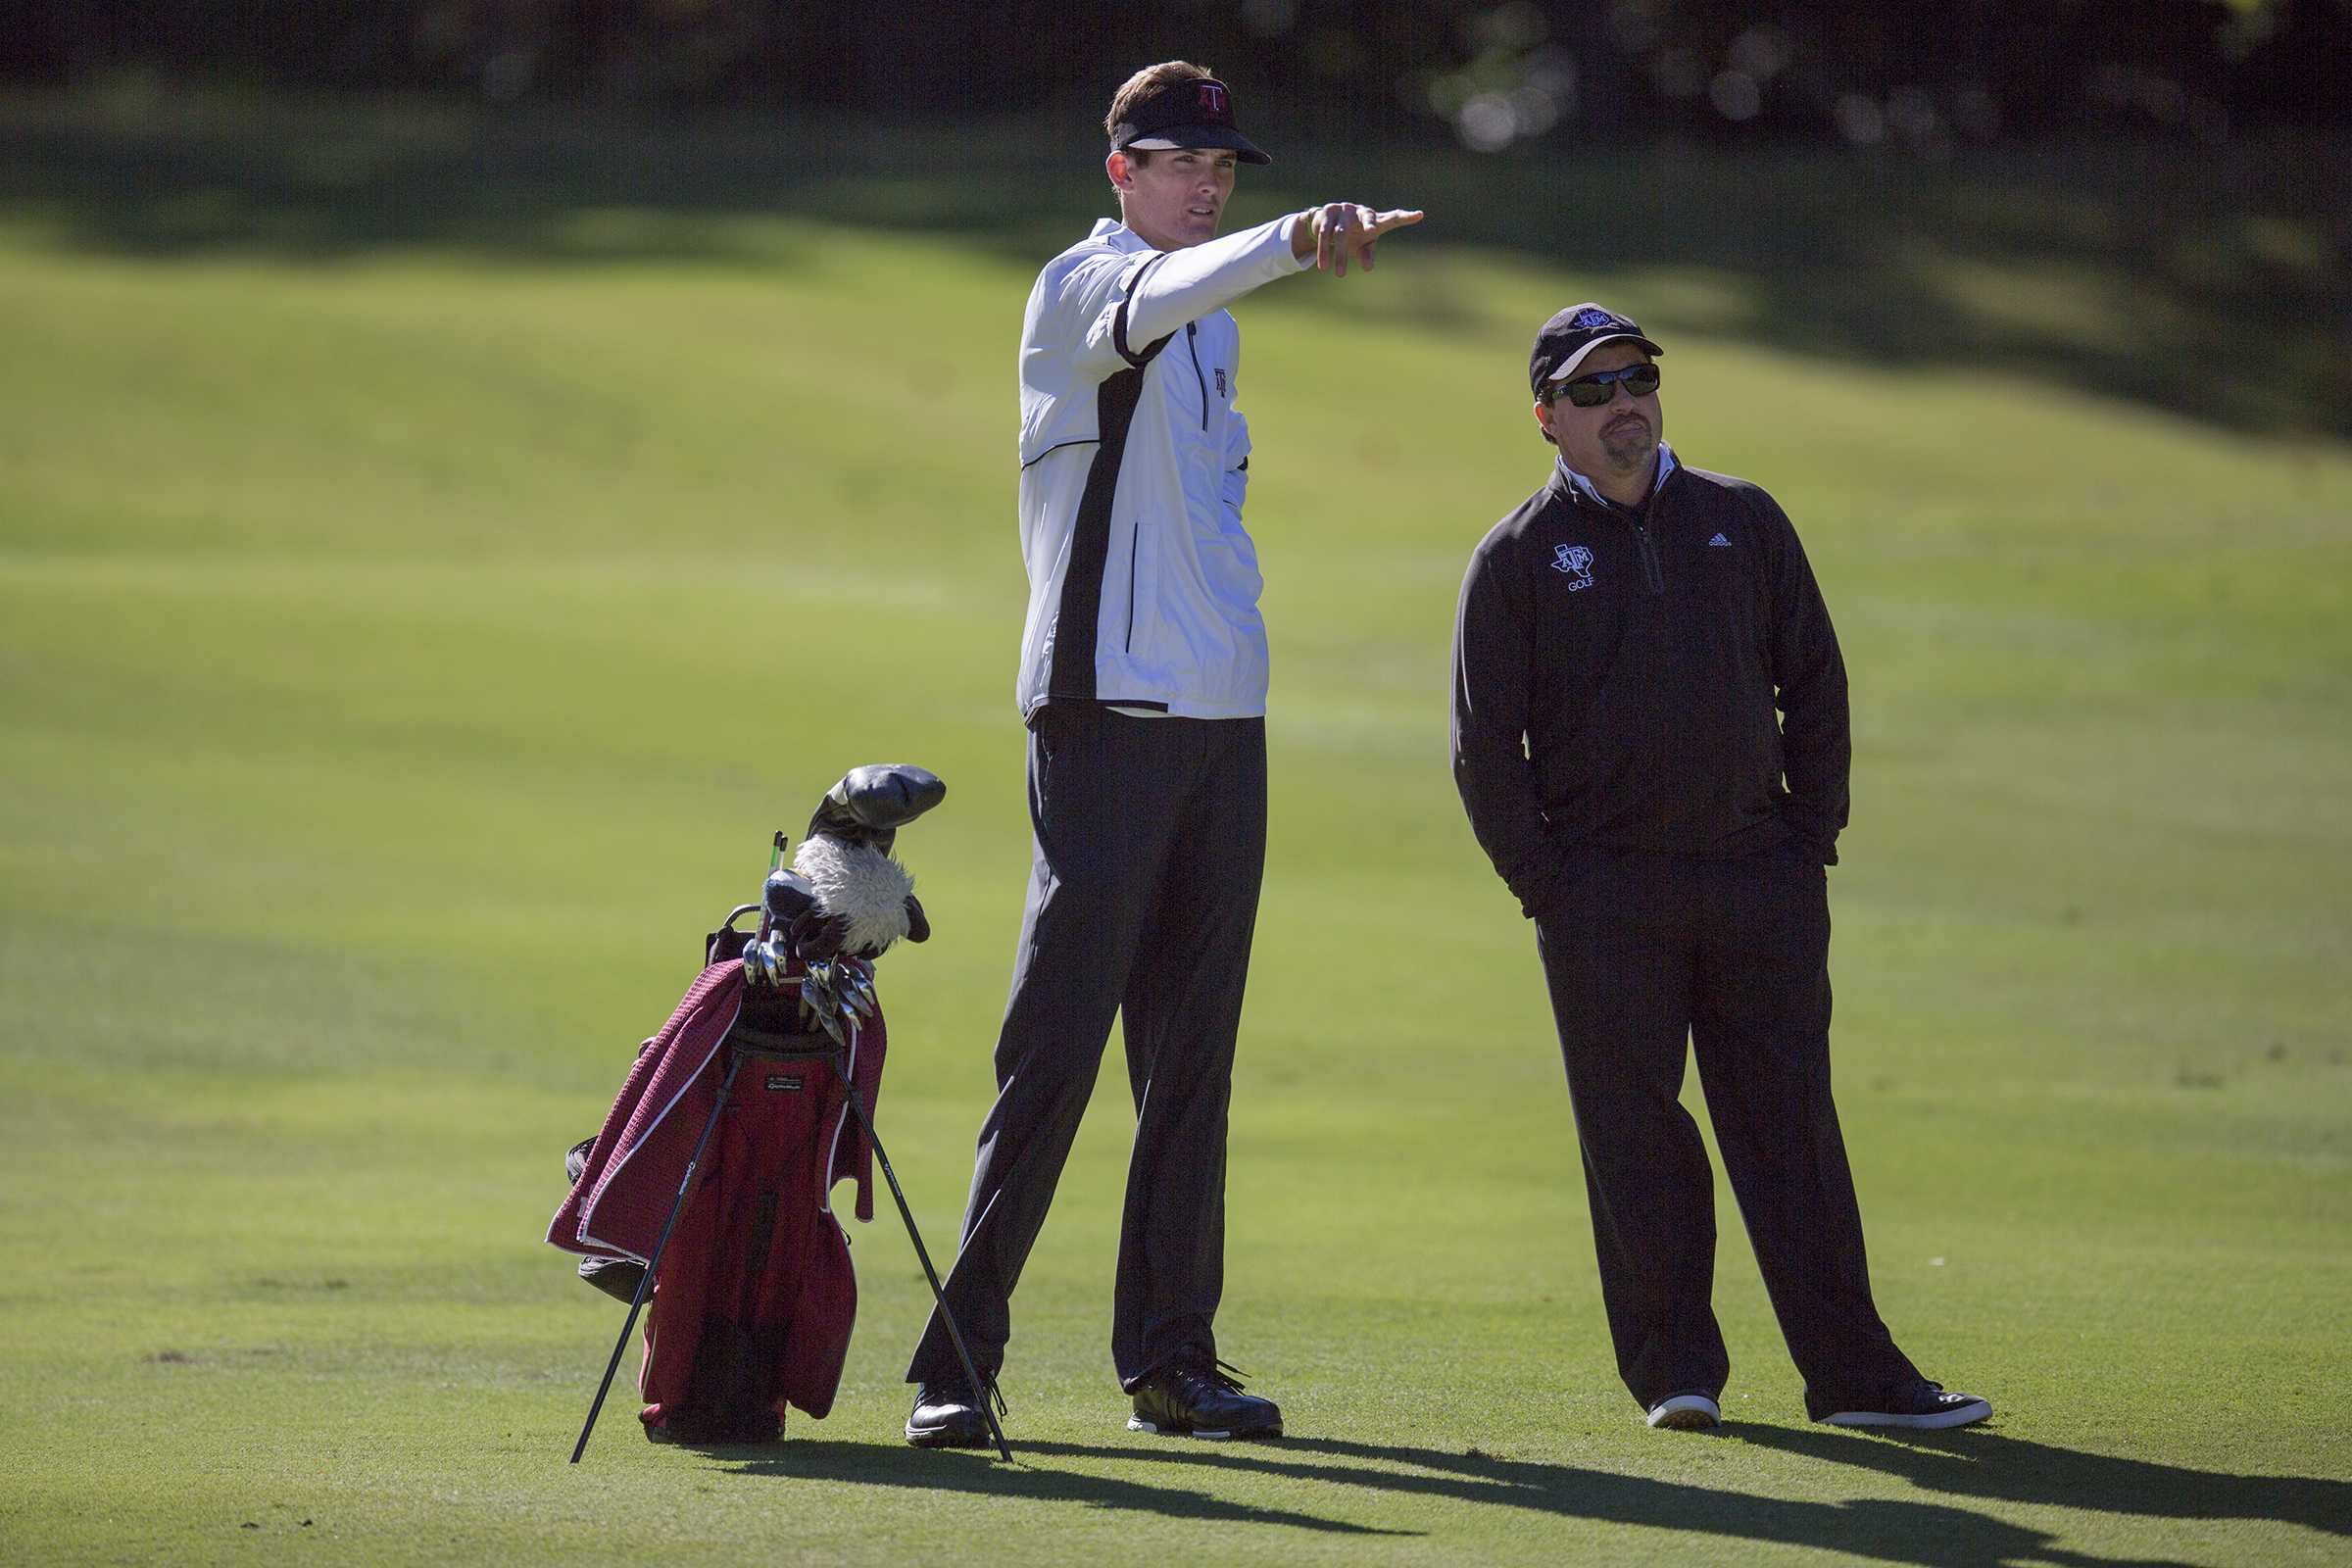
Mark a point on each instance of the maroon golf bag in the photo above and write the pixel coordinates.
(754, 1299)
(709, 1185)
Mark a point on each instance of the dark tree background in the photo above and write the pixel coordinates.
(1926, 76)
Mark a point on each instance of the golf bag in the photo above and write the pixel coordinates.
(754, 1299)
(775, 1054)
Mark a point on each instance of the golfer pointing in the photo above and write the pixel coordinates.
(1143, 684)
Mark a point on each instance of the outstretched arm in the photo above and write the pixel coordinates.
(1133, 304)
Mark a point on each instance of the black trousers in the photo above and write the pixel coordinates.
(1151, 843)
(1732, 956)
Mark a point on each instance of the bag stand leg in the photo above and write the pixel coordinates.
(644, 1285)
(980, 1392)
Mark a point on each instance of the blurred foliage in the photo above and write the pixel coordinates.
(2203, 281)
(1491, 73)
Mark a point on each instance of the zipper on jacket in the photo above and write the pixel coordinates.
(1649, 557)
(1191, 331)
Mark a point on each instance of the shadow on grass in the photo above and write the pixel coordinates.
(2203, 282)
(1928, 1535)
(1979, 1463)
(982, 1475)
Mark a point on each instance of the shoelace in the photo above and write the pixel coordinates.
(994, 1394)
(1222, 1372)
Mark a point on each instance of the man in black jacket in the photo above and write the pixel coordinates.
(1624, 640)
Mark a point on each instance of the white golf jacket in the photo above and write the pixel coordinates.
(1142, 586)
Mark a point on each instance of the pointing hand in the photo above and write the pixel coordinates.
(1339, 231)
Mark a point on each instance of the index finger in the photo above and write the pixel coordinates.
(1400, 218)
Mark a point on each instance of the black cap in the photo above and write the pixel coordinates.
(1197, 112)
(1574, 333)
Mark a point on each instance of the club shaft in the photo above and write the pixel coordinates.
(980, 1392)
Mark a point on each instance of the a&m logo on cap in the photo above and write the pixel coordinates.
(1593, 316)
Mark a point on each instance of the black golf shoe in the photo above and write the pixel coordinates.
(946, 1415)
(1918, 1405)
(1195, 1401)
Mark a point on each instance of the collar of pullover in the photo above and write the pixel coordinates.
(1120, 235)
(1569, 477)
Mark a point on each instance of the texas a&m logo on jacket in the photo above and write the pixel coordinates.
(1577, 562)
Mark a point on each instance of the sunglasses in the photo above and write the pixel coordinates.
(1592, 391)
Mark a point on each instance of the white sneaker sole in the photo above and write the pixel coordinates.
(1687, 1412)
(1959, 1415)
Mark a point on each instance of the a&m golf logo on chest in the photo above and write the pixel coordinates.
(1577, 562)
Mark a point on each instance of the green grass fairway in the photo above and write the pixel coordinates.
(408, 647)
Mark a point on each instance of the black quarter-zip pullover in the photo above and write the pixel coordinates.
(1663, 680)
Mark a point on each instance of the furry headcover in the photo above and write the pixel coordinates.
(860, 884)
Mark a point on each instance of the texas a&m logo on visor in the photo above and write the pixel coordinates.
(1196, 111)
